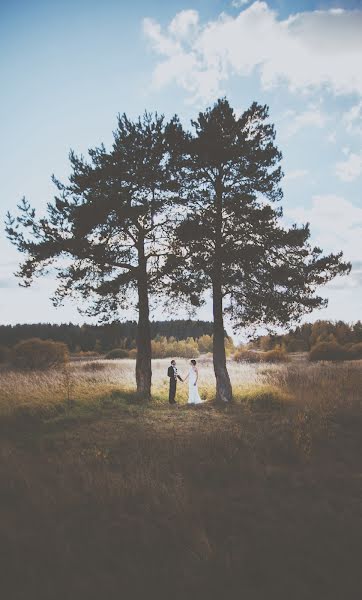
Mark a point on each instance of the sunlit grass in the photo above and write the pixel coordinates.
(93, 385)
(91, 381)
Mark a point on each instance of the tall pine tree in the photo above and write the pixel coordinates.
(106, 231)
(232, 241)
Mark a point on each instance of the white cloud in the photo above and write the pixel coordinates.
(184, 23)
(336, 224)
(239, 3)
(309, 50)
(296, 174)
(163, 44)
(353, 119)
(313, 116)
(351, 168)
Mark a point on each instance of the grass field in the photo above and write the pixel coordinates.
(102, 497)
(88, 383)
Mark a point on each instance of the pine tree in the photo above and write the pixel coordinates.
(232, 241)
(106, 230)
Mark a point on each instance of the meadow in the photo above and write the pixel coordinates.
(104, 497)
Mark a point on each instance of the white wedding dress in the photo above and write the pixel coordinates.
(194, 397)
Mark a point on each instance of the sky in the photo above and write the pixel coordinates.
(68, 68)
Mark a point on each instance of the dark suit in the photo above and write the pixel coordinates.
(172, 374)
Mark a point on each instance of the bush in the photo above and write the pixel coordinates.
(229, 346)
(166, 348)
(355, 351)
(295, 345)
(185, 349)
(266, 343)
(276, 355)
(329, 351)
(38, 354)
(132, 353)
(117, 353)
(4, 354)
(242, 355)
(205, 343)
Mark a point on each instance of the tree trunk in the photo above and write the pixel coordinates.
(143, 360)
(223, 385)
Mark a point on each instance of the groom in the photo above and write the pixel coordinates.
(172, 373)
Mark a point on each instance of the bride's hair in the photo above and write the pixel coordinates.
(193, 361)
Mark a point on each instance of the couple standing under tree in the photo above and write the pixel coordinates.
(192, 376)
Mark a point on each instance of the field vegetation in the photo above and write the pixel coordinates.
(103, 497)
(278, 354)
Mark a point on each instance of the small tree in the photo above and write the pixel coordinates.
(107, 229)
(232, 241)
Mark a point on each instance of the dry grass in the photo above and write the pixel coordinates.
(112, 499)
(90, 381)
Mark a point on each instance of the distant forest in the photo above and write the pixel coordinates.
(102, 338)
(304, 337)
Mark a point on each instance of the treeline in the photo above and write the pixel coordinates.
(163, 347)
(102, 338)
(308, 335)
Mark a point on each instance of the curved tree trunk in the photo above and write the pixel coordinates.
(143, 340)
(223, 385)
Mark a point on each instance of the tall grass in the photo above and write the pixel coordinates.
(256, 500)
(90, 381)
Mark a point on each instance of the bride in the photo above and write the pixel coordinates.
(193, 376)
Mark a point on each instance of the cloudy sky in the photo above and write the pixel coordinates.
(68, 68)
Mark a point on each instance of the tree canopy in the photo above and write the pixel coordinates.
(233, 241)
(109, 225)
(170, 214)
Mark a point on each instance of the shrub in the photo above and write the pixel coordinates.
(242, 355)
(4, 354)
(276, 355)
(229, 346)
(163, 348)
(265, 343)
(295, 345)
(355, 351)
(38, 354)
(185, 349)
(132, 353)
(117, 353)
(329, 351)
(205, 343)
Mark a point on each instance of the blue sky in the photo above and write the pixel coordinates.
(67, 68)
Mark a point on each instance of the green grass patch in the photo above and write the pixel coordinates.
(263, 396)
